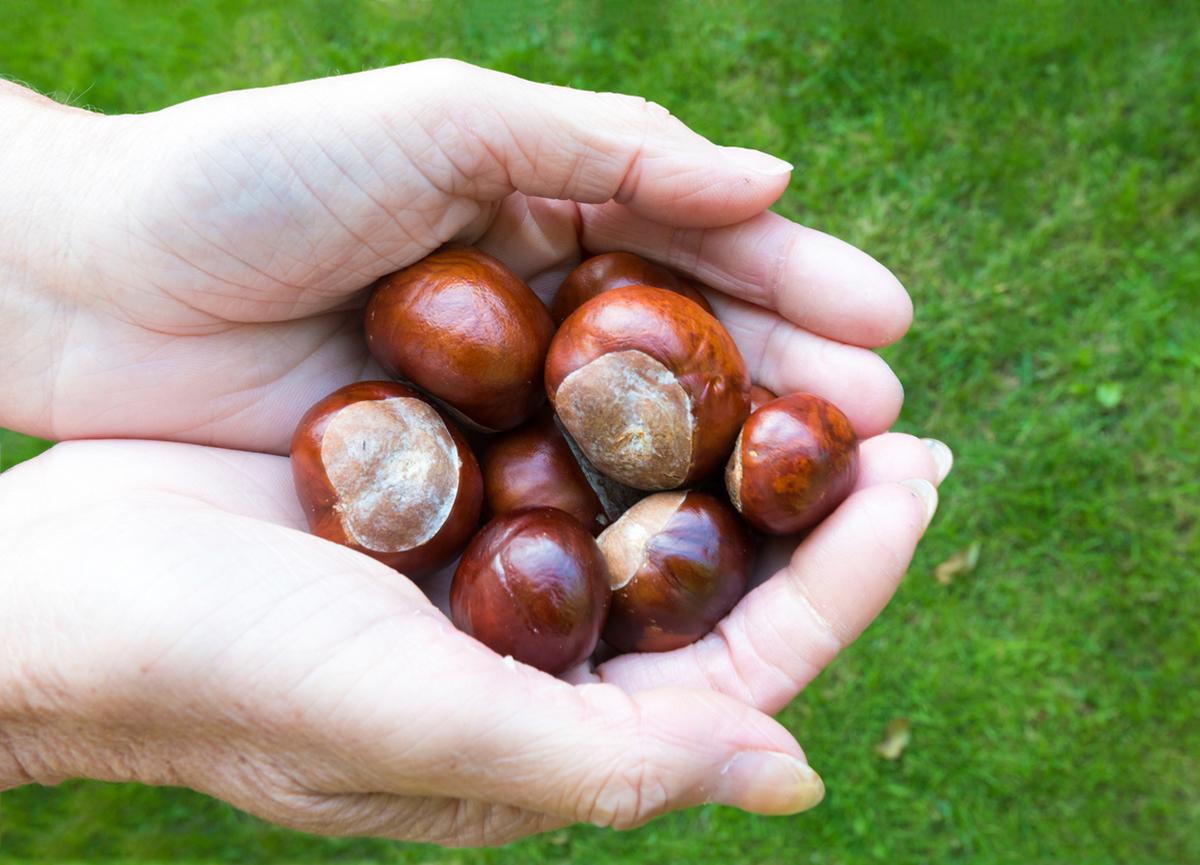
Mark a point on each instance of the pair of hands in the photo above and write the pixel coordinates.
(195, 276)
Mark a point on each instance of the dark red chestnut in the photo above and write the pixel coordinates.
(533, 467)
(795, 460)
(533, 585)
(759, 396)
(602, 273)
(380, 470)
(649, 385)
(679, 562)
(466, 329)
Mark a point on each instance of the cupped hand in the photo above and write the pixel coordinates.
(206, 287)
(172, 623)
(197, 273)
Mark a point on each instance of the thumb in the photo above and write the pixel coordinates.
(481, 135)
(596, 754)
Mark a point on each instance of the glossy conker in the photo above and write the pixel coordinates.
(679, 562)
(533, 585)
(464, 328)
(649, 385)
(534, 467)
(795, 460)
(602, 273)
(381, 470)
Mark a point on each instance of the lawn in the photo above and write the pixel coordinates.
(1031, 171)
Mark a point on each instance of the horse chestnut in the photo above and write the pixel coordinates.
(602, 273)
(380, 470)
(533, 585)
(795, 460)
(464, 328)
(679, 562)
(649, 385)
(534, 467)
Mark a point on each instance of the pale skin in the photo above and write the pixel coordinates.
(194, 276)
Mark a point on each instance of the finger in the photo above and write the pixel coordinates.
(816, 281)
(887, 458)
(537, 238)
(509, 134)
(894, 457)
(787, 359)
(593, 753)
(788, 629)
(479, 135)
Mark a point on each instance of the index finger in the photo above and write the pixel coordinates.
(812, 279)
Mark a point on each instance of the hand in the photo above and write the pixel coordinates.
(206, 288)
(195, 274)
(172, 623)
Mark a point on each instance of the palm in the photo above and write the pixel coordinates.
(313, 686)
(240, 246)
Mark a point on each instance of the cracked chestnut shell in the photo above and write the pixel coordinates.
(533, 585)
(602, 273)
(795, 460)
(379, 469)
(533, 467)
(464, 328)
(649, 385)
(679, 562)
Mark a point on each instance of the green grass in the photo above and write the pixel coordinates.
(1030, 172)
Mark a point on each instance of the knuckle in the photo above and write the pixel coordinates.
(446, 71)
(629, 788)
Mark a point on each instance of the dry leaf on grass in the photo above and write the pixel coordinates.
(896, 736)
(962, 562)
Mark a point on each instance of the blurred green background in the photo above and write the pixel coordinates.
(1030, 171)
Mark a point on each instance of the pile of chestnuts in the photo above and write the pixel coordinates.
(593, 437)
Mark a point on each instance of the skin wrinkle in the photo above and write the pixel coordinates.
(771, 697)
(834, 635)
(712, 677)
(392, 217)
(369, 161)
(202, 159)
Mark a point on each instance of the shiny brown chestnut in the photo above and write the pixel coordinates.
(602, 273)
(679, 562)
(379, 469)
(533, 585)
(533, 467)
(649, 385)
(464, 328)
(795, 460)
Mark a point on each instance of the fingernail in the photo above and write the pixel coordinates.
(764, 782)
(927, 493)
(943, 457)
(757, 161)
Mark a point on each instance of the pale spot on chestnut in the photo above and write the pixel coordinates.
(624, 542)
(649, 385)
(395, 470)
(679, 562)
(631, 418)
(733, 475)
(380, 469)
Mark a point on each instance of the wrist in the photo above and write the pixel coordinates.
(51, 177)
